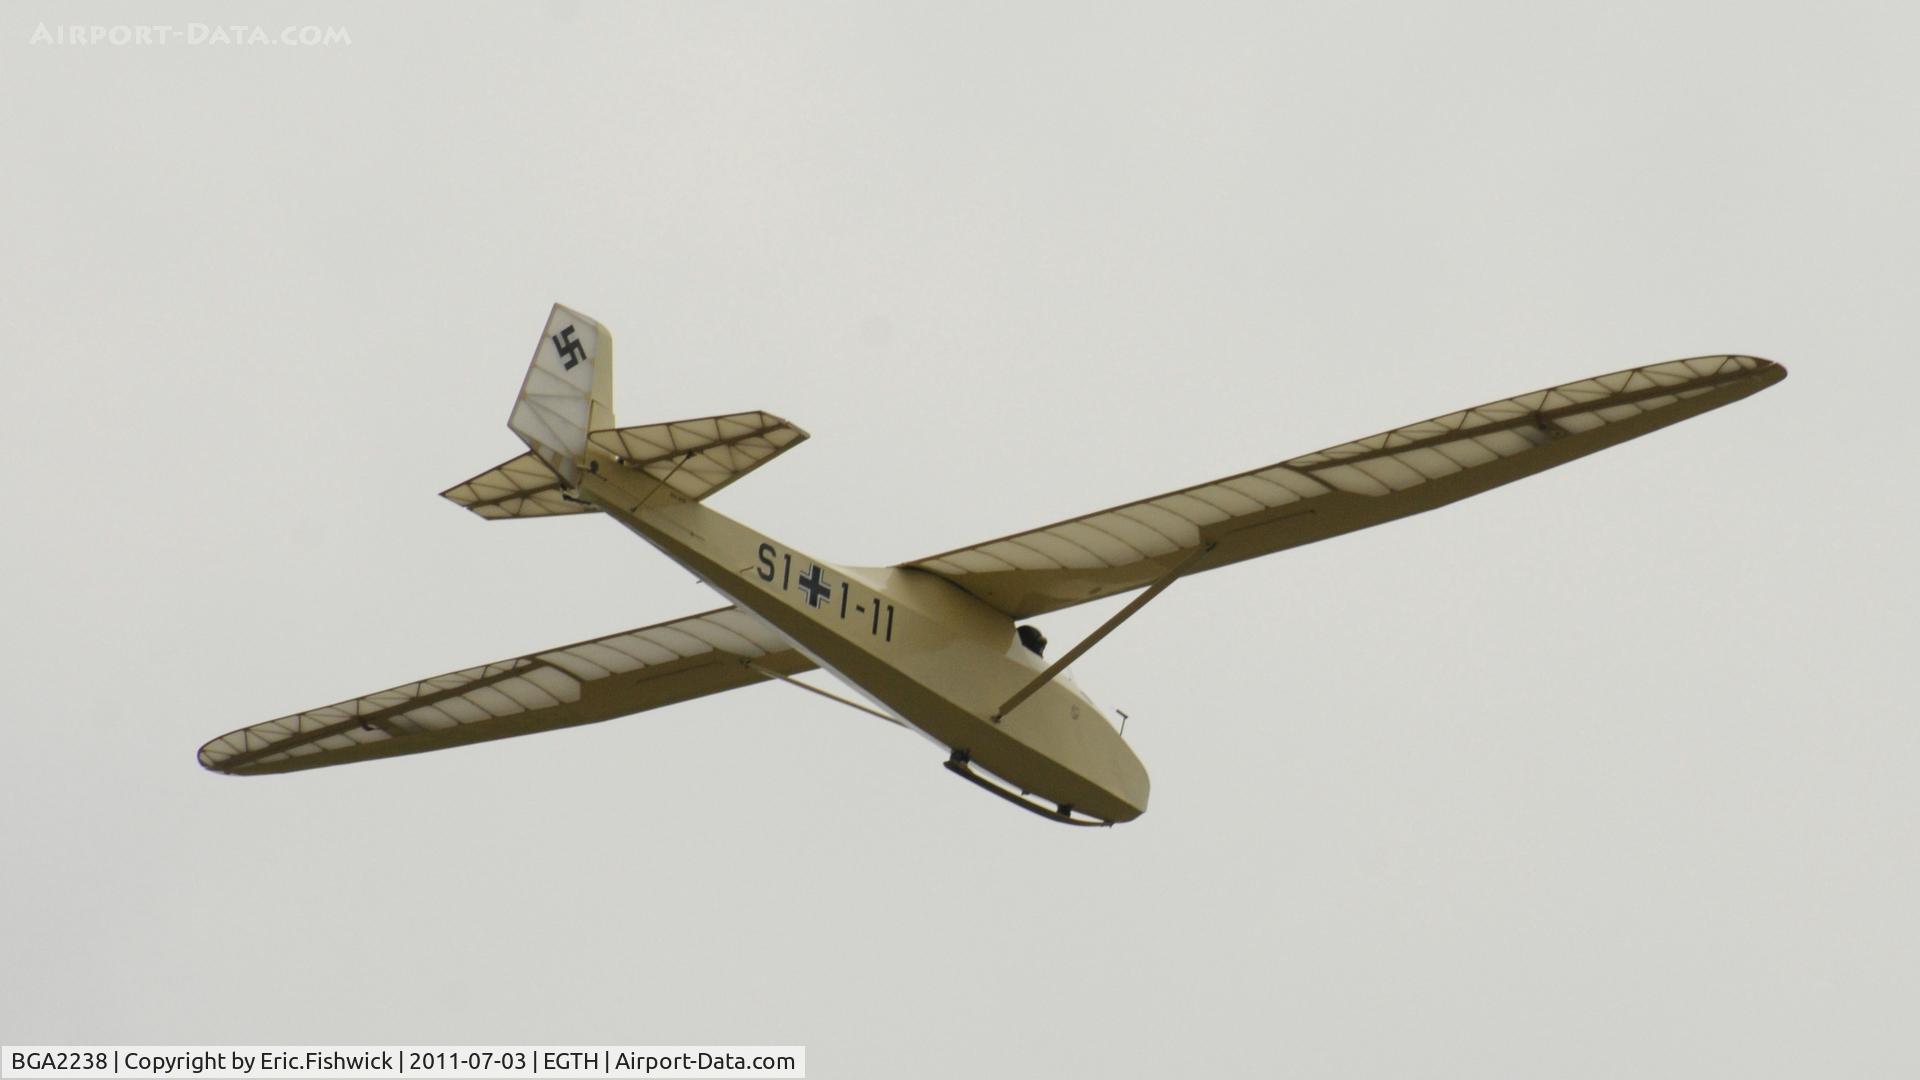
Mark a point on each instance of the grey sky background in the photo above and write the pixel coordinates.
(1609, 772)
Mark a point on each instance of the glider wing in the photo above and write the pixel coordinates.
(575, 684)
(1340, 489)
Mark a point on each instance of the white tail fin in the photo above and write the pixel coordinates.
(568, 391)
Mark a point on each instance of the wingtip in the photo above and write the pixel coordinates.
(215, 754)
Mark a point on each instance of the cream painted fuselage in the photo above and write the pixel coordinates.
(927, 651)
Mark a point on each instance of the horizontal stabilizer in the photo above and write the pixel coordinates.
(522, 488)
(699, 457)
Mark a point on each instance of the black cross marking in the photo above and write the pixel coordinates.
(817, 591)
(569, 348)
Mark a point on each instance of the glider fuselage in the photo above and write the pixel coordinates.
(921, 647)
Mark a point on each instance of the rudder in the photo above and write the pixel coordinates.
(568, 391)
(565, 416)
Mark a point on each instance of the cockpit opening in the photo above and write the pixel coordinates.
(1034, 640)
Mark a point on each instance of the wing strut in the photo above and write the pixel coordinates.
(828, 694)
(1104, 629)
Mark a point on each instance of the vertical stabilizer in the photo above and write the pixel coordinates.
(568, 391)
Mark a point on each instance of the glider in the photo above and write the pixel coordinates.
(936, 645)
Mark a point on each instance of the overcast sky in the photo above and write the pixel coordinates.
(1610, 772)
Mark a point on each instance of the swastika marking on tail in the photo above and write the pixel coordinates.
(569, 348)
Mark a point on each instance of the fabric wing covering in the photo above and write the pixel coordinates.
(1342, 488)
(575, 684)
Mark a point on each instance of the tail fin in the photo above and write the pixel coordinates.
(565, 412)
(568, 392)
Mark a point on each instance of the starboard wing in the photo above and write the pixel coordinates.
(1342, 488)
(581, 683)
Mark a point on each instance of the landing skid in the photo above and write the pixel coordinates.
(962, 766)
